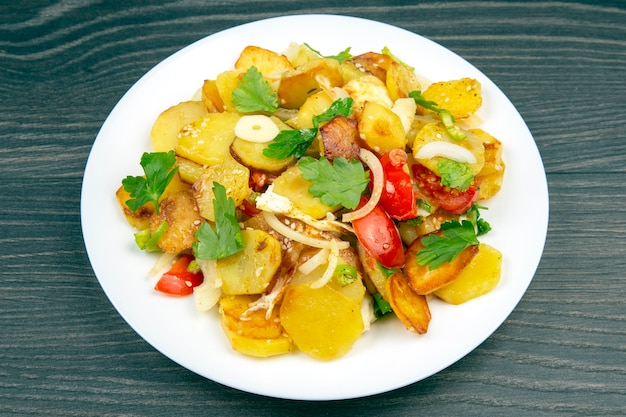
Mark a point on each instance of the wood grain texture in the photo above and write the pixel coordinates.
(64, 350)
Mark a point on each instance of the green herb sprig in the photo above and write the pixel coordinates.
(159, 170)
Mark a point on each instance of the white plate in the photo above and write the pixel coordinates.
(385, 358)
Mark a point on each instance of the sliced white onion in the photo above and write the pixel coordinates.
(267, 301)
(376, 172)
(320, 258)
(333, 260)
(256, 128)
(207, 294)
(165, 260)
(447, 150)
(289, 233)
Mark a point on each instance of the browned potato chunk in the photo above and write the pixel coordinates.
(400, 81)
(232, 175)
(189, 171)
(164, 133)
(424, 280)
(480, 276)
(252, 334)
(298, 84)
(375, 63)
(225, 83)
(410, 308)
(250, 270)
(374, 278)
(211, 97)
(380, 128)
(266, 61)
(314, 105)
(181, 214)
(340, 138)
(461, 98)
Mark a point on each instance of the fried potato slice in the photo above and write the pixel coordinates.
(266, 61)
(298, 84)
(424, 280)
(479, 277)
(461, 97)
(180, 212)
(168, 124)
(410, 308)
(375, 63)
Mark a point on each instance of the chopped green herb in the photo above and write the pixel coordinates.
(455, 238)
(345, 274)
(416, 221)
(381, 306)
(341, 56)
(387, 272)
(473, 215)
(296, 142)
(254, 94)
(341, 182)
(149, 242)
(159, 170)
(226, 238)
(455, 174)
(446, 118)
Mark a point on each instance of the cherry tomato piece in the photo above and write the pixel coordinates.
(450, 199)
(379, 236)
(178, 280)
(398, 197)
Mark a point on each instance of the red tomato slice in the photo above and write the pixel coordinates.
(379, 236)
(178, 280)
(398, 197)
(450, 199)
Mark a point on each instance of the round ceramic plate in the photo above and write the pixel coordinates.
(386, 357)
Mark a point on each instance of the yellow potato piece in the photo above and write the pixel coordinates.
(322, 322)
(479, 277)
(250, 270)
(207, 140)
(460, 97)
(164, 133)
(252, 334)
(381, 128)
(290, 184)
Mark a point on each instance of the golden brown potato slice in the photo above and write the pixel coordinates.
(266, 61)
(207, 140)
(211, 97)
(461, 97)
(252, 334)
(480, 276)
(180, 212)
(375, 63)
(232, 175)
(164, 133)
(373, 276)
(410, 308)
(250, 270)
(298, 84)
(400, 81)
(314, 105)
(381, 128)
(424, 280)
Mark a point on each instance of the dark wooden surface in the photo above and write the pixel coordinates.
(64, 350)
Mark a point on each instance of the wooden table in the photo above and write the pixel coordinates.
(64, 350)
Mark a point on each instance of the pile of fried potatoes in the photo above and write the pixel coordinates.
(267, 305)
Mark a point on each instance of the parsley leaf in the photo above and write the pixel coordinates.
(296, 142)
(455, 174)
(290, 142)
(341, 182)
(226, 238)
(446, 118)
(254, 94)
(159, 170)
(341, 56)
(455, 238)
